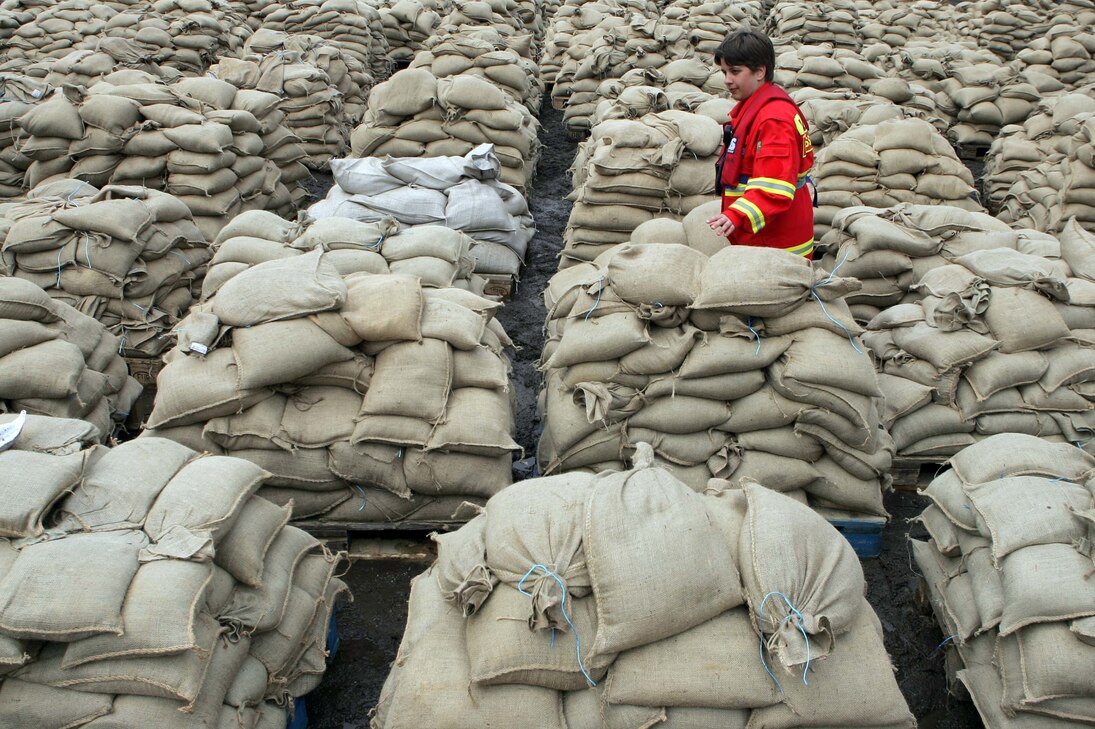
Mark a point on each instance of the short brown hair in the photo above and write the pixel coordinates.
(749, 48)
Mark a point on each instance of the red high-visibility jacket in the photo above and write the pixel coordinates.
(763, 170)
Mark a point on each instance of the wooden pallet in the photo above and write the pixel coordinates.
(500, 284)
(577, 135)
(559, 103)
(144, 369)
(910, 474)
(971, 151)
(404, 540)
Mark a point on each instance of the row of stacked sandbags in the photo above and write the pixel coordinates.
(650, 45)
(219, 149)
(656, 342)
(500, 18)
(574, 18)
(895, 161)
(1021, 148)
(544, 613)
(440, 257)
(1006, 27)
(1007, 570)
(978, 329)
(1065, 52)
(484, 54)
(897, 22)
(352, 25)
(408, 24)
(684, 84)
(835, 22)
(20, 94)
(89, 65)
(369, 397)
(708, 21)
(416, 114)
(661, 164)
(464, 194)
(317, 112)
(187, 35)
(826, 69)
(1059, 186)
(57, 361)
(127, 256)
(197, 606)
(831, 113)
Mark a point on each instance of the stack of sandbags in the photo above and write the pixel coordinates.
(416, 114)
(831, 113)
(813, 23)
(63, 26)
(439, 256)
(352, 25)
(708, 21)
(1006, 27)
(542, 613)
(499, 16)
(461, 193)
(638, 93)
(1007, 570)
(20, 94)
(823, 69)
(347, 74)
(484, 54)
(86, 66)
(647, 44)
(127, 256)
(312, 104)
(57, 361)
(1059, 187)
(880, 165)
(219, 149)
(661, 165)
(978, 329)
(575, 17)
(984, 98)
(408, 24)
(1065, 52)
(1020, 149)
(366, 385)
(744, 365)
(166, 594)
(187, 35)
(902, 22)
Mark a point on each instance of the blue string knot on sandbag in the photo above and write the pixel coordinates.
(566, 616)
(756, 335)
(792, 614)
(597, 302)
(813, 292)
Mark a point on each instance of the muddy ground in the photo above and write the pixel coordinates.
(371, 628)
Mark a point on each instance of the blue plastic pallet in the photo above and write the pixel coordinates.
(864, 533)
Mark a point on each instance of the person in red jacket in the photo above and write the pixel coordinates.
(763, 168)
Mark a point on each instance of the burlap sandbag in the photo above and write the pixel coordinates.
(633, 516)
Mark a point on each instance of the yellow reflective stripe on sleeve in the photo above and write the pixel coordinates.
(734, 192)
(803, 250)
(773, 185)
(751, 211)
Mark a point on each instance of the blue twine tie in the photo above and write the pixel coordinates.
(794, 612)
(813, 292)
(939, 647)
(756, 335)
(566, 617)
(597, 302)
(364, 497)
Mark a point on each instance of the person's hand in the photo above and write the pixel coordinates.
(721, 225)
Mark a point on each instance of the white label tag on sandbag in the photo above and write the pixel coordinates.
(199, 348)
(10, 431)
